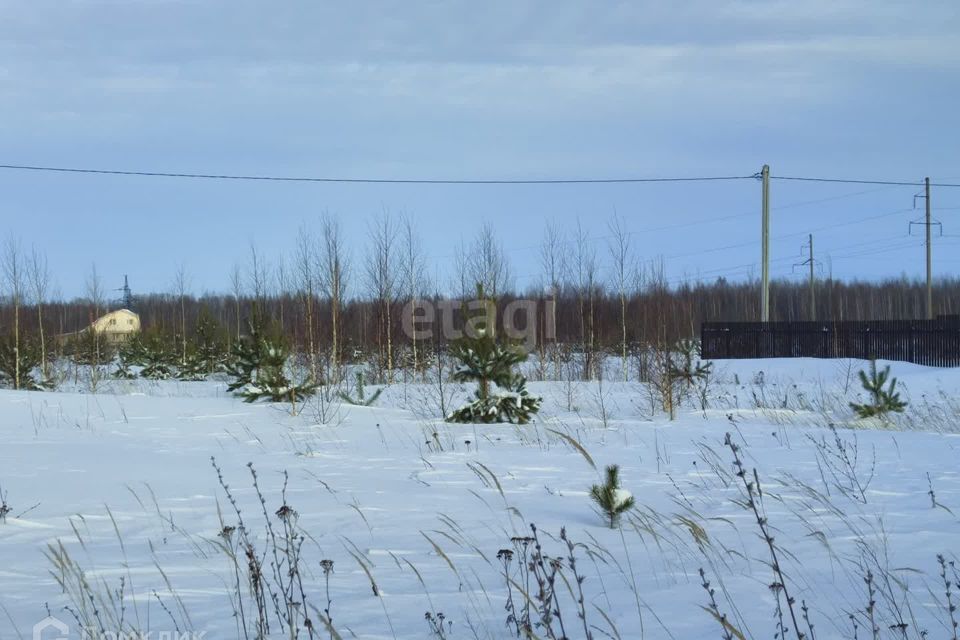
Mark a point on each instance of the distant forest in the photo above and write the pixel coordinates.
(329, 297)
(652, 314)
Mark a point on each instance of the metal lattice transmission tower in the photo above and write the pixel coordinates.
(127, 299)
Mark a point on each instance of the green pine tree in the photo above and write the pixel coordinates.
(28, 356)
(123, 371)
(361, 399)
(258, 366)
(210, 343)
(88, 348)
(159, 355)
(882, 401)
(501, 394)
(612, 500)
(206, 351)
(132, 351)
(685, 368)
(193, 369)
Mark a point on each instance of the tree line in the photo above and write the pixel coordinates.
(326, 296)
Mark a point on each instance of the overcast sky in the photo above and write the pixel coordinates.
(478, 90)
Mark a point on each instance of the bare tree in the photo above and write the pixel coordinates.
(236, 285)
(334, 273)
(658, 290)
(281, 273)
(640, 285)
(553, 266)
(487, 264)
(40, 283)
(414, 275)
(306, 274)
(620, 257)
(461, 285)
(257, 276)
(181, 283)
(382, 269)
(585, 272)
(95, 298)
(13, 276)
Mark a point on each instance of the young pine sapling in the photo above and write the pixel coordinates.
(882, 400)
(612, 500)
(501, 394)
(361, 399)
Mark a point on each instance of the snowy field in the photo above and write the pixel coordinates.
(115, 494)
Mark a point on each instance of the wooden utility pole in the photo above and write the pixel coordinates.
(926, 182)
(765, 247)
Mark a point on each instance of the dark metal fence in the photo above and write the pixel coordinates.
(929, 342)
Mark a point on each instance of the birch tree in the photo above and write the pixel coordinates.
(13, 275)
(95, 298)
(236, 286)
(334, 273)
(461, 277)
(382, 270)
(487, 264)
(282, 284)
(306, 277)
(181, 283)
(619, 247)
(585, 273)
(39, 284)
(413, 272)
(552, 264)
(257, 276)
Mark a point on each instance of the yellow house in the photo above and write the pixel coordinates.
(117, 325)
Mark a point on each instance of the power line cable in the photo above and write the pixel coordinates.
(894, 183)
(890, 248)
(691, 223)
(894, 243)
(862, 244)
(452, 181)
(788, 235)
(273, 178)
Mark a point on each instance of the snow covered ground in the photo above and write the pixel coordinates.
(413, 511)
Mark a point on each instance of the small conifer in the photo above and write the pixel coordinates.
(489, 363)
(259, 369)
(882, 401)
(612, 500)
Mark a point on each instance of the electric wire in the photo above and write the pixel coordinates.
(450, 181)
(455, 181)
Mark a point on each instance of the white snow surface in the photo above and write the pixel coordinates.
(621, 496)
(128, 471)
